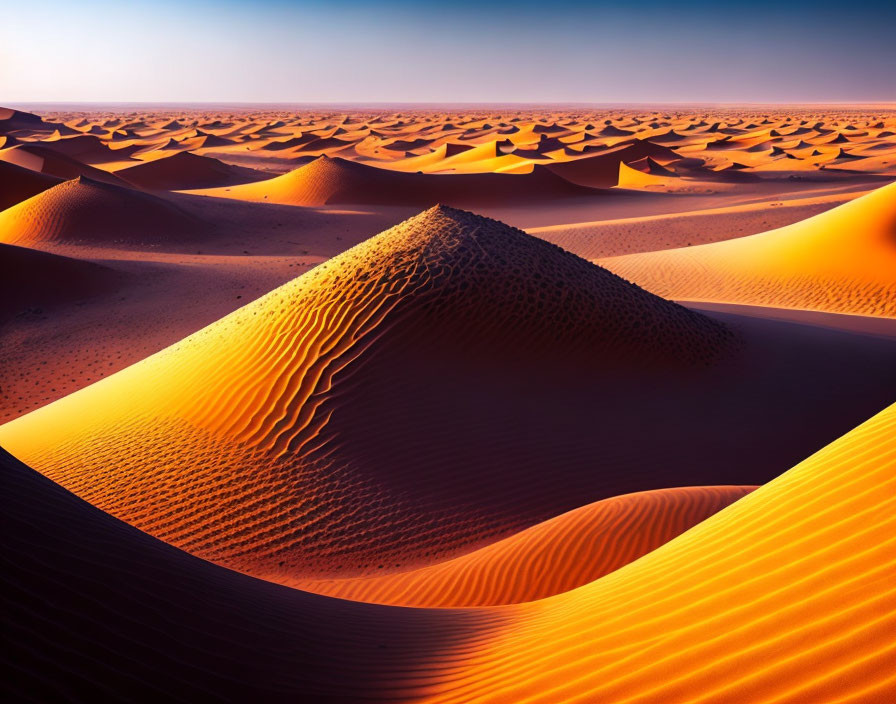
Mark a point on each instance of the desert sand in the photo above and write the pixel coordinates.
(482, 404)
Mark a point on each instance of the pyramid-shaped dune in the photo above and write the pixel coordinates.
(842, 261)
(92, 212)
(327, 181)
(185, 170)
(267, 440)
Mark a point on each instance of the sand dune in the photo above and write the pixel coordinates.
(508, 473)
(841, 261)
(334, 181)
(18, 184)
(87, 211)
(52, 163)
(602, 169)
(185, 170)
(273, 382)
(96, 610)
(553, 557)
(32, 279)
(345, 394)
(784, 596)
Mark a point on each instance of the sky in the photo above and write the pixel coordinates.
(399, 51)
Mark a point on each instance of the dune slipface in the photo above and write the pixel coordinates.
(251, 442)
(91, 212)
(842, 261)
(18, 184)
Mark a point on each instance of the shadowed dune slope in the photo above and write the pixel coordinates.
(338, 181)
(784, 596)
(553, 557)
(29, 278)
(787, 595)
(185, 170)
(251, 442)
(94, 610)
(87, 211)
(841, 261)
(46, 161)
(18, 184)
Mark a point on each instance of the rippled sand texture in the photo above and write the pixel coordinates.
(449, 405)
(842, 261)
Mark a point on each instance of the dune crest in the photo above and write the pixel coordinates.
(553, 557)
(841, 261)
(785, 595)
(439, 314)
(86, 211)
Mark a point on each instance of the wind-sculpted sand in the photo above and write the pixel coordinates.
(595, 417)
(842, 261)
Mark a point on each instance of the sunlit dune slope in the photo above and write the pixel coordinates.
(841, 261)
(87, 211)
(267, 440)
(338, 181)
(18, 184)
(784, 596)
(96, 610)
(184, 170)
(787, 595)
(553, 557)
(29, 279)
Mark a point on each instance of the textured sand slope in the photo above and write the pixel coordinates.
(86, 211)
(841, 261)
(94, 610)
(553, 557)
(333, 181)
(787, 595)
(784, 596)
(251, 442)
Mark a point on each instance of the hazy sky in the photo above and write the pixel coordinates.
(403, 51)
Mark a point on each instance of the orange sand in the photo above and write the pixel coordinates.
(842, 261)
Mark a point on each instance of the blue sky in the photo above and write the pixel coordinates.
(401, 51)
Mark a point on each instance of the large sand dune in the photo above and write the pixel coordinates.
(338, 181)
(842, 261)
(444, 383)
(783, 596)
(272, 385)
(87, 211)
(453, 462)
(185, 170)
